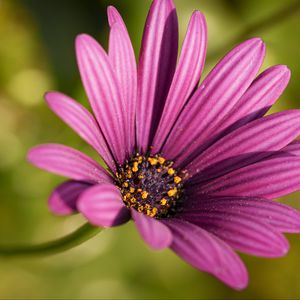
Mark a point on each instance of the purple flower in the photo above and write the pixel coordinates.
(196, 168)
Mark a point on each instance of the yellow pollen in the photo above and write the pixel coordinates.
(135, 167)
(147, 206)
(148, 212)
(172, 192)
(140, 159)
(127, 196)
(144, 195)
(141, 176)
(125, 184)
(139, 190)
(163, 201)
(129, 174)
(153, 161)
(177, 179)
(133, 200)
(171, 171)
(158, 170)
(132, 190)
(140, 208)
(154, 212)
(161, 160)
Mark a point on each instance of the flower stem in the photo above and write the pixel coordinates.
(67, 242)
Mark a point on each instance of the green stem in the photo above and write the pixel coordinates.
(67, 242)
(258, 26)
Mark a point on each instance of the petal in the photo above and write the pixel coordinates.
(154, 233)
(279, 216)
(156, 68)
(246, 145)
(257, 100)
(216, 96)
(63, 200)
(82, 122)
(114, 17)
(186, 77)
(271, 178)
(102, 89)
(102, 205)
(208, 253)
(121, 55)
(293, 148)
(246, 234)
(66, 161)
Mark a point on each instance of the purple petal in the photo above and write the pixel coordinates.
(102, 205)
(270, 178)
(246, 145)
(279, 216)
(257, 100)
(293, 148)
(103, 91)
(208, 253)
(123, 61)
(156, 234)
(66, 161)
(114, 17)
(246, 234)
(216, 96)
(82, 122)
(186, 77)
(63, 200)
(156, 68)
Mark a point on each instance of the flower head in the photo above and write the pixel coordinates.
(195, 167)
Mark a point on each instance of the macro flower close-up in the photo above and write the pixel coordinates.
(195, 167)
(173, 130)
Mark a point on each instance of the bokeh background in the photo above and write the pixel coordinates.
(36, 55)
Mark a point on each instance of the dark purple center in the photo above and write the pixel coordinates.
(150, 185)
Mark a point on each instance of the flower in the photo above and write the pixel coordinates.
(196, 168)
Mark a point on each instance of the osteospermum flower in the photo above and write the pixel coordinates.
(196, 168)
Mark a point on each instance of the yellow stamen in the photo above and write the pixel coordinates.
(125, 184)
(153, 161)
(145, 195)
(135, 167)
(163, 201)
(132, 190)
(161, 160)
(171, 171)
(158, 170)
(177, 179)
(172, 192)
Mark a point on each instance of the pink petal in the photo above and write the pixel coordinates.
(270, 178)
(63, 200)
(102, 205)
(66, 161)
(279, 216)
(82, 122)
(293, 148)
(216, 96)
(208, 253)
(122, 58)
(246, 145)
(155, 233)
(156, 68)
(103, 91)
(257, 100)
(186, 77)
(114, 17)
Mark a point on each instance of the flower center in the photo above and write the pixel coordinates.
(150, 185)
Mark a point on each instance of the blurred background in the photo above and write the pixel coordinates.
(36, 55)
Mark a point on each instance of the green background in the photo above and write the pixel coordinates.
(36, 55)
